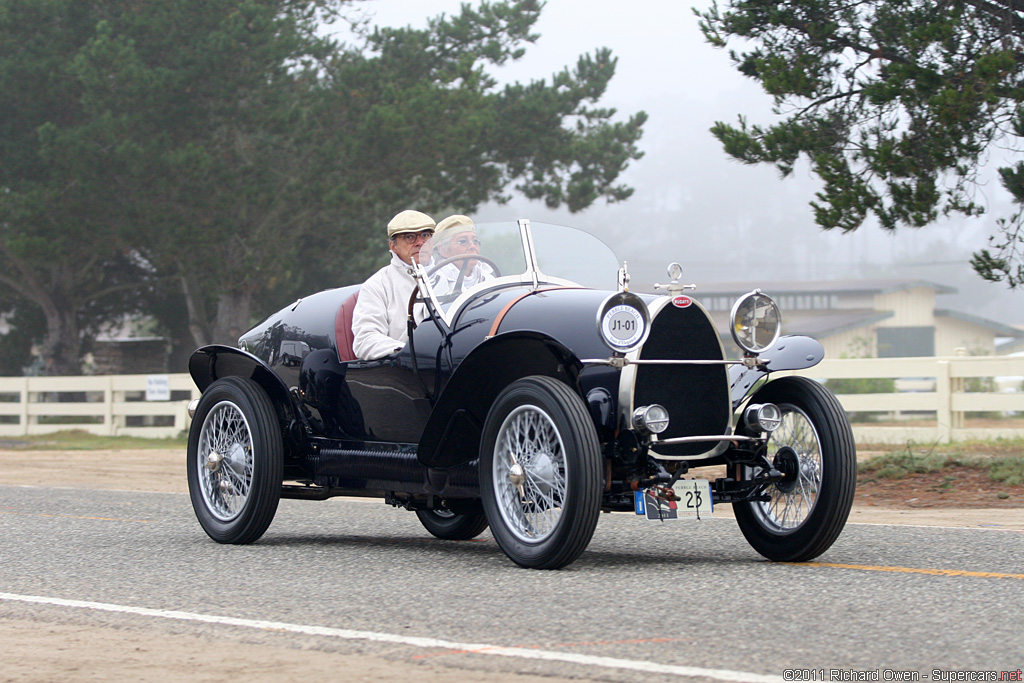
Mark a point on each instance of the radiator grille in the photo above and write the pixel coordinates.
(696, 396)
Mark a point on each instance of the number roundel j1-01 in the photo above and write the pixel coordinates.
(623, 321)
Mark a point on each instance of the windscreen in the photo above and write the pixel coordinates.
(467, 257)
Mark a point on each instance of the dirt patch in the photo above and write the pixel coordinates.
(160, 470)
(950, 487)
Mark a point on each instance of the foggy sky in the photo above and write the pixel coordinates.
(722, 220)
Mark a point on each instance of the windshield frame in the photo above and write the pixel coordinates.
(531, 275)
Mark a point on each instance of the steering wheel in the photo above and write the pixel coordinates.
(462, 274)
(462, 271)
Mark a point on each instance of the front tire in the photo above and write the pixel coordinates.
(235, 461)
(540, 473)
(814, 446)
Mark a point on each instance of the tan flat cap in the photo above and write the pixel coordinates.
(451, 226)
(409, 221)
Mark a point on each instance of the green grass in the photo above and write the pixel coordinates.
(80, 440)
(1009, 470)
(1002, 458)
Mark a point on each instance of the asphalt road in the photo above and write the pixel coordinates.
(657, 601)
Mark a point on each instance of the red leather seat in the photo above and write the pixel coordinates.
(343, 328)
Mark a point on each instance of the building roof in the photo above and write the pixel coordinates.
(1000, 329)
(857, 286)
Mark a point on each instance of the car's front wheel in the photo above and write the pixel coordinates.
(235, 461)
(540, 473)
(814, 448)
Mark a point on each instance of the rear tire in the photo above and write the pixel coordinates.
(540, 473)
(235, 461)
(452, 527)
(814, 443)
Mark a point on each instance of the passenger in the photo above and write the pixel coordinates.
(380, 319)
(455, 236)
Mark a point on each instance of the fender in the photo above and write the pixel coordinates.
(452, 435)
(793, 352)
(209, 363)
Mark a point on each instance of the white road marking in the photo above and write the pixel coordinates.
(345, 634)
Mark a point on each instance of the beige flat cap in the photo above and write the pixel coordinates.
(409, 221)
(452, 226)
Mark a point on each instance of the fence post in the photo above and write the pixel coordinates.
(23, 416)
(943, 402)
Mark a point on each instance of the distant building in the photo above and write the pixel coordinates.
(129, 356)
(868, 318)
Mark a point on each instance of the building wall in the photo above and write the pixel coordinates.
(129, 356)
(911, 307)
(951, 334)
(860, 342)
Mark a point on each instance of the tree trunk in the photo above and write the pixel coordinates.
(62, 345)
(232, 317)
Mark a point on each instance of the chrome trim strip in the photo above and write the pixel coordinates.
(627, 361)
(723, 442)
(696, 439)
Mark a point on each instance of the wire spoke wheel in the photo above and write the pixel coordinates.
(235, 461)
(225, 461)
(795, 449)
(814, 449)
(530, 473)
(540, 473)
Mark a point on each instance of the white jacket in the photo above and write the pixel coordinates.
(380, 324)
(443, 281)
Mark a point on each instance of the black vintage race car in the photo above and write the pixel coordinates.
(534, 393)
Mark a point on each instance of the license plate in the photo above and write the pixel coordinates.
(687, 499)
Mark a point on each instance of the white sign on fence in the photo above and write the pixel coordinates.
(158, 388)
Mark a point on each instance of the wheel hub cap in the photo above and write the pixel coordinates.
(516, 476)
(788, 462)
(213, 461)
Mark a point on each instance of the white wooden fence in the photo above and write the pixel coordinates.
(931, 406)
(934, 391)
(109, 405)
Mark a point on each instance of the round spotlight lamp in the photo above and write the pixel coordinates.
(756, 322)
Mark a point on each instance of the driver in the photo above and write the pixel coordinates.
(380, 318)
(455, 236)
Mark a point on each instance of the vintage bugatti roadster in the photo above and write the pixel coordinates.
(530, 402)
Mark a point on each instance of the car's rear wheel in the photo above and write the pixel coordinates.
(451, 526)
(814, 448)
(540, 473)
(235, 461)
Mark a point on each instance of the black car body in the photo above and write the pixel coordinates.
(529, 403)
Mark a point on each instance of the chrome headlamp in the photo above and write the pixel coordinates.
(755, 322)
(652, 418)
(623, 321)
(763, 417)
